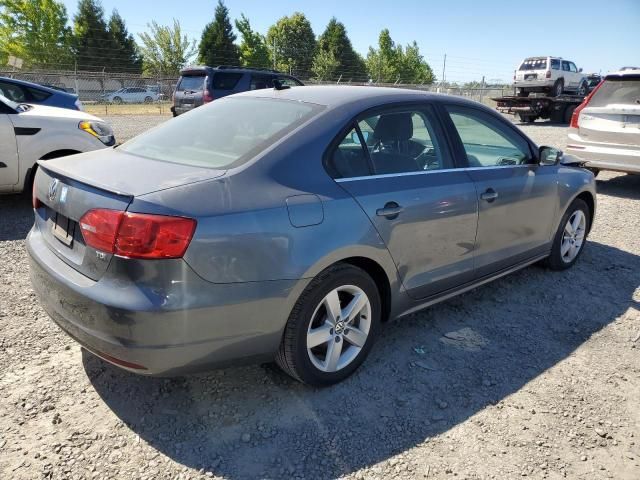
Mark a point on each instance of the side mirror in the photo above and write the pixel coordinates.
(580, 70)
(549, 155)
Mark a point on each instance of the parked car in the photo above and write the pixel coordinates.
(29, 133)
(552, 75)
(20, 91)
(131, 95)
(290, 224)
(605, 128)
(200, 85)
(593, 79)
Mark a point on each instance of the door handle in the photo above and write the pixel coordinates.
(489, 195)
(391, 210)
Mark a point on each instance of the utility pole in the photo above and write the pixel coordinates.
(274, 54)
(444, 68)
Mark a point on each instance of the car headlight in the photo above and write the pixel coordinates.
(100, 130)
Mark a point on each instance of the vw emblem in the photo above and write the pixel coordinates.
(53, 189)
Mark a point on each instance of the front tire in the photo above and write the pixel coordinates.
(571, 236)
(521, 92)
(117, 100)
(332, 327)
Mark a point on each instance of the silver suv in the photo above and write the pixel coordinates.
(605, 128)
(551, 75)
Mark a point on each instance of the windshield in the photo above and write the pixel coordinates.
(223, 134)
(9, 103)
(534, 64)
(617, 92)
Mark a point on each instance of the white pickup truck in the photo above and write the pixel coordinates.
(30, 132)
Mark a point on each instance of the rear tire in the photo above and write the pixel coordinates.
(332, 327)
(521, 92)
(117, 100)
(557, 89)
(575, 225)
(526, 118)
(148, 99)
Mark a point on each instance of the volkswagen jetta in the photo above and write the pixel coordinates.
(290, 224)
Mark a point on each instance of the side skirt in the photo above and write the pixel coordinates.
(441, 297)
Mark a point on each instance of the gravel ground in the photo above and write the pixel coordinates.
(535, 375)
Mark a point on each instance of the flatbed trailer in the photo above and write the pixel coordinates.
(557, 109)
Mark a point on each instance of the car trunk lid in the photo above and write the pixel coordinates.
(68, 187)
(612, 115)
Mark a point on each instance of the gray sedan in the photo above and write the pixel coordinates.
(291, 224)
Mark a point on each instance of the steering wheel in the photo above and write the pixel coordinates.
(428, 158)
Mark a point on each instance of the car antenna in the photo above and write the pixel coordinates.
(278, 85)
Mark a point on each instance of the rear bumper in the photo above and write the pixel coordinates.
(161, 318)
(546, 83)
(605, 156)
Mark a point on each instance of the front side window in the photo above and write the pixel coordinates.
(223, 134)
(259, 82)
(572, 67)
(391, 142)
(565, 66)
(486, 142)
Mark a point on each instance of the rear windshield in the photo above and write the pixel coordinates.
(222, 134)
(617, 91)
(534, 64)
(226, 81)
(191, 82)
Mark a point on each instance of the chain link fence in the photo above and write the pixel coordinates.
(132, 103)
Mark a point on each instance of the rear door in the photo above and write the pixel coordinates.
(517, 198)
(613, 114)
(189, 90)
(9, 167)
(396, 163)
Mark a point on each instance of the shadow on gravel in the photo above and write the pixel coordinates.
(16, 217)
(623, 186)
(428, 373)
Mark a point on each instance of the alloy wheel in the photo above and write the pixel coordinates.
(339, 328)
(573, 236)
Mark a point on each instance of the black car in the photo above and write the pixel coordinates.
(201, 84)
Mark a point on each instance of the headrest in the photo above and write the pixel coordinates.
(394, 126)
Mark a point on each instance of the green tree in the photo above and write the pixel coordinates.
(125, 55)
(165, 50)
(293, 44)
(391, 63)
(35, 31)
(216, 44)
(253, 48)
(325, 65)
(94, 48)
(334, 41)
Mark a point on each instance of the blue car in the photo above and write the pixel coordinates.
(26, 92)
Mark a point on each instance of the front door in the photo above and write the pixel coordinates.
(396, 164)
(8, 151)
(517, 198)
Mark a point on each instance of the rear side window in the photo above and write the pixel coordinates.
(226, 80)
(223, 134)
(13, 92)
(534, 64)
(191, 82)
(37, 94)
(393, 142)
(258, 82)
(617, 91)
(289, 81)
(555, 64)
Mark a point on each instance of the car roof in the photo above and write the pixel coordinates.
(632, 72)
(333, 96)
(224, 68)
(37, 86)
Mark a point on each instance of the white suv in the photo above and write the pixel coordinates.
(29, 133)
(549, 74)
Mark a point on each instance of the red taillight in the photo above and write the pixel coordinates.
(575, 117)
(207, 97)
(548, 74)
(137, 235)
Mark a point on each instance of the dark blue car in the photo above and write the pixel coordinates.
(26, 92)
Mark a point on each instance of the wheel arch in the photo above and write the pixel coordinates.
(588, 198)
(379, 276)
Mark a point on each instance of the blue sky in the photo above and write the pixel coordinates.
(487, 37)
